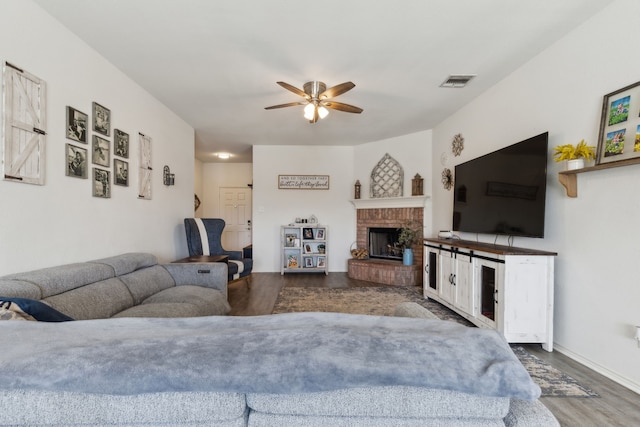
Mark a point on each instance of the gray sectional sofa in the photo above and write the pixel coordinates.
(130, 365)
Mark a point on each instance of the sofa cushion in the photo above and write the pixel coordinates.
(170, 408)
(146, 282)
(33, 309)
(396, 401)
(260, 419)
(210, 302)
(127, 263)
(56, 280)
(166, 309)
(98, 300)
(19, 289)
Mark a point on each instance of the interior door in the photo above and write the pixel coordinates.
(235, 209)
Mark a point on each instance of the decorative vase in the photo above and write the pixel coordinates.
(575, 164)
(407, 256)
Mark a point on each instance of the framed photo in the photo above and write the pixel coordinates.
(308, 262)
(101, 183)
(101, 119)
(121, 172)
(100, 151)
(307, 248)
(619, 137)
(319, 234)
(76, 159)
(292, 261)
(77, 125)
(290, 240)
(322, 262)
(120, 143)
(307, 233)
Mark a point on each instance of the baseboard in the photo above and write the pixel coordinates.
(631, 385)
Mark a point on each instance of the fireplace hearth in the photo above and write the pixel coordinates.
(387, 270)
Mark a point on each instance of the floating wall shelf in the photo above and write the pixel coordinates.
(569, 179)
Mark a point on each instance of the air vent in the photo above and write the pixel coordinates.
(457, 81)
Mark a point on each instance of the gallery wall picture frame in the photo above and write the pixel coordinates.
(100, 151)
(76, 161)
(121, 143)
(619, 137)
(101, 183)
(101, 119)
(120, 172)
(77, 125)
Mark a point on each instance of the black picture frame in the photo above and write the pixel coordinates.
(100, 151)
(76, 161)
(101, 119)
(120, 172)
(307, 233)
(76, 128)
(120, 143)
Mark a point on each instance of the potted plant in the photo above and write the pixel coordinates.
(574, 155)
(410, 234)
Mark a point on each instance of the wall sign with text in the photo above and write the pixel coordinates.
(303, 182)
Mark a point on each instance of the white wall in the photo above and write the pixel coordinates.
(414, 154)
(595, 234)
(61, 222)
(216, 176)
(273, 207)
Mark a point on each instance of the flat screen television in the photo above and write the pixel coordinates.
(503, 192)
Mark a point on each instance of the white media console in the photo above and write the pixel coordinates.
(493, 286)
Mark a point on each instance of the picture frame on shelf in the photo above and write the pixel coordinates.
(308, 262)
(100, 151)
(307, 233)
(290, 240)
(292, 261)
(307, 248)
(101, 183)
(77, 125)
(121, 143)
(76, 158)
(619, 137)
(121, 172)
(319, 235)
(101, 119)
(322, 263)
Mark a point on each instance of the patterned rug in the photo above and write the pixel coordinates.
(381, 301)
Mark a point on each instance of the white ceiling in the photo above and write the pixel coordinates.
(215, 63)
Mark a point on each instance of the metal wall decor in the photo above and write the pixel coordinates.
(457, 145)
(417, 185)
(387, 178)
(447, 179)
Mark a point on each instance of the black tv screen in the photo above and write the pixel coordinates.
(503, 192)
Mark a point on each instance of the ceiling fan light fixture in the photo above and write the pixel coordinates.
(322, 112)
(309, 111)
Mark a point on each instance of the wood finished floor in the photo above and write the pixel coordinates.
(617, 406)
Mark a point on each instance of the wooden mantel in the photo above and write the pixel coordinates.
(390, 202)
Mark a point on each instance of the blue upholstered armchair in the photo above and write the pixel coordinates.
(204, 238)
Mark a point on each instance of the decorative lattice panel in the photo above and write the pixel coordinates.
(387, 178)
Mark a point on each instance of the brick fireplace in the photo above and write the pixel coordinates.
(389, 272)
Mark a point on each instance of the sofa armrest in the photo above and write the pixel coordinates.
(207, 274)
(523, 413)
(237, 255)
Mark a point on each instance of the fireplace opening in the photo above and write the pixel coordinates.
(383, 243)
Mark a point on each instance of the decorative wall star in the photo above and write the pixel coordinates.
(457, 145)
(447, 179)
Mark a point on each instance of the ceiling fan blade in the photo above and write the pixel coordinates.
(290, 104)
(337, 90)
(293, 89)
(342, 107)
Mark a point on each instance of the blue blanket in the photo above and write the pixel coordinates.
(285, 353)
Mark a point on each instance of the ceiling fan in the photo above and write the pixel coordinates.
(318, 99)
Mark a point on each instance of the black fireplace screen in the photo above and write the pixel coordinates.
(383, 243)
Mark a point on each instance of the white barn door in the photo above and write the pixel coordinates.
(24, 126)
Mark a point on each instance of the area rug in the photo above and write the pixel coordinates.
(381, 301)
